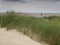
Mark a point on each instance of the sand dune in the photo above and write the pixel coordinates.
(13, 37)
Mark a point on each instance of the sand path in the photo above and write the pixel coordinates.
(15, 38)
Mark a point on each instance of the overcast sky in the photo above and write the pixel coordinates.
(31, 6)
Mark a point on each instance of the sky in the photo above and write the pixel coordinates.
(30, 6)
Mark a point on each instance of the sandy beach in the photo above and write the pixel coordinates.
(12, 37)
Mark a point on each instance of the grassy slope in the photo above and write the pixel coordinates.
(46, 29)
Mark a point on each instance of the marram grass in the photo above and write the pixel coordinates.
(47, 29)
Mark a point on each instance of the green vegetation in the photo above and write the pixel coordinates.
(47, 29)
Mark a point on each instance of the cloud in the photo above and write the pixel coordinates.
(27, 1)
(36, 6)
(12, 0)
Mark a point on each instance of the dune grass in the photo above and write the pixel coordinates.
(46, 28)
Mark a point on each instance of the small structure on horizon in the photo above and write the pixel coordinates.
(41, 14)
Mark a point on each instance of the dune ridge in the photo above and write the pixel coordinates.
(12, 37)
